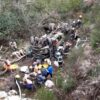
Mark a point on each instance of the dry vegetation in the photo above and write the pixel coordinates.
(80, 78)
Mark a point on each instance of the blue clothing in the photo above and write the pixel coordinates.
(40, 79)
(28, 86)
(44, 72)
(50, 69)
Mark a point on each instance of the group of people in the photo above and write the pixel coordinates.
(38, 74)
(50, 54)
(16, 53)
(42, 69)
(69, 30)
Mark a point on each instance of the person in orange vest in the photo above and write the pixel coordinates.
(7, 64)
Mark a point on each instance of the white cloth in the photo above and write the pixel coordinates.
(49, 84)
(26, 76)
(60, 48)
(12, 92)
(28, 81)
(56, 63)
(8, 62)
(24, 69)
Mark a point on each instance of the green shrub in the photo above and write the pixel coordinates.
(95, 33)
(65, 83)
(69, 84)
(95, 38)
(74, 55)
(95, 72)
(69, 5)
(59, 81)
(74, 4)
(44, 94)
(63, 7)
(10, 23)
(97, 50)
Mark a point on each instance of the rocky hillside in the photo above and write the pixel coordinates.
(79, 78)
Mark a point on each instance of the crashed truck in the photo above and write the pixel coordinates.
(58, 37)
(39, 52)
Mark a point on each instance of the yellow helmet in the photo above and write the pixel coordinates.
(17, 76)
(80, 16)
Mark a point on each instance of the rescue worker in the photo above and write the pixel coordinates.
(7, 64)
(27, 83)
(52, 27)
(79, 21)
(76, 35)
(40, 79)
(36, 41)
(50, 70)
(32, 39)
(67, 46)
(64, 27)
(77, 42)
(13, 45)
(72, 33)
(60, 49)
(74, 23)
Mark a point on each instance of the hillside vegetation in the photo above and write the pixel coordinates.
(80, 78)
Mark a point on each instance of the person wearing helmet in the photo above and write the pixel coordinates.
(80, 16)
(72, 33)
(79, 21)
(74, 23)
(17, 76)
(67, 46)
(59, 58)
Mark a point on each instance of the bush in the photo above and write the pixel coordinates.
(61, 6)
(11, 22)
(65, 83)
(59, 81)
(44, 94)
(97, 50)
(95, 38)
(22, 17)
(74, 55)
(69, 5)
(95, 72)
(95, 33)
(74, 4)
(69, 84)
